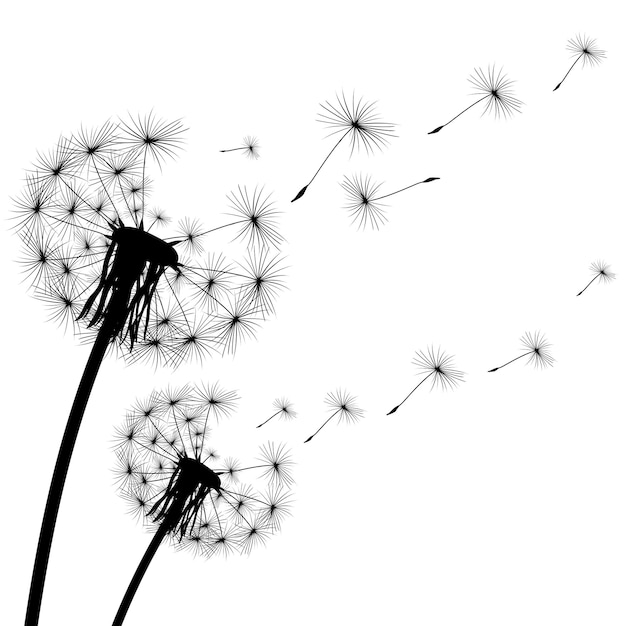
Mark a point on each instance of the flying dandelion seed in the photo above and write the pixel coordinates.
(94, 261)
(535, 347)
(583, 47)
(495, 90)
(601, 272)
(250, 146)
(355, 119)
(436, 366)
(342, 404)
(284, 409)
(362, 200)
(175, 483)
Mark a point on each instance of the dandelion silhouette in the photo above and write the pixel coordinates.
(88, 249)
(284, 410)
(362, 200)
(177, 484)
(495, 90)
(583, 48)
(342, 404)
(437, 366)
(356, 119)
(535, 347)
(601, 272)
(250, 146)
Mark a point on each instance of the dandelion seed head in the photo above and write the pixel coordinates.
(496, 88)
(537, 346)
(358, 118)
(440, 366)
(169, 475)
(585, 46)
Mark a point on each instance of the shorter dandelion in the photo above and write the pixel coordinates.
(284, 409)
(175, 483)
(342, 404)
(356, 119)
(583, 47)
(362, 200)
(436, 364)
(495, 88)
(601, 271)
(535, 347)
(250, 146)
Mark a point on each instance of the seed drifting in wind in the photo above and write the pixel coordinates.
(342, 404)
(250, 147)
(355, 119)
(362, 200)
(284, 410)
(178, 485)
(583, 47)
(438, 365)
(495, 90)
(91, 254)
(535, 347)
(601, 272)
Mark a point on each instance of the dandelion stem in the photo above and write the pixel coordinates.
(589, 283)
(427, 180)
(301, 192)
(59, 475)
(511, 361)
(395, 408)
(139, 573)
(269, 418)
(211, 230)
(432, 132)
(322, 426)
(568, 71)
(233, 149)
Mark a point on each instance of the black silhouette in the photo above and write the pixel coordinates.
(435, 364)
(176, 484)
(494, 87)
(357, 119)
(600, 270)
(363, 200)
(536, 349)
(88, 249)
(342, 404)
(251, 147)
(284, 409)
(583, 48)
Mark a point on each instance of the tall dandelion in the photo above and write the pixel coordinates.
(91, 252)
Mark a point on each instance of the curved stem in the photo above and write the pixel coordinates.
(322, 426)
(568, 71)
(432, 132)
(139, 574)
(60, 471)
(393, 193)
(268, 419)
(589, 283)
(326, 159)
(511, 361)
(301, 192)
(395, 408)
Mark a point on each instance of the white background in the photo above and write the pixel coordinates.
(502, 502)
